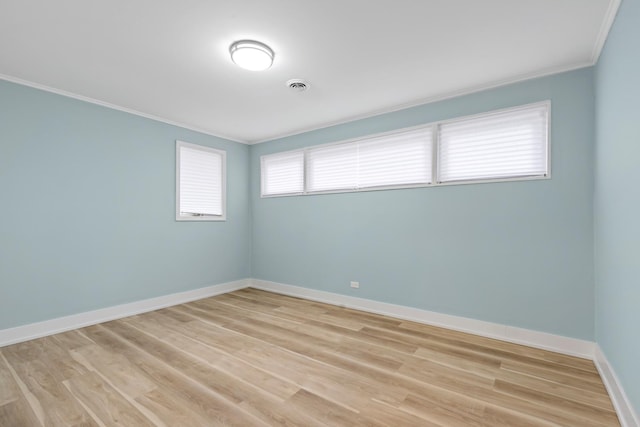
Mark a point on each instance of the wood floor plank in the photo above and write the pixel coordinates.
(48, 398)
(378, 414)
(584, 411)
(195, 369)
(322, 409)
(254, 358)
(122, 374)
(18, 413)
(104, 402)
(297, 324)
(280, 415)
(367, 319)
(479, 342)
(71, 340)
(56, 357)
(554, 375)
(504, 351)
(173, 409)
(253, 399)
(179, 388)
(443, 414)
(9, 391)
(234, 370)
(307, 306)
(225, 362)
(486, 393)
(579, 395)
(495, 416)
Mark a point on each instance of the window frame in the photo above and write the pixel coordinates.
(262, 173)
(436, 164)
(305, 151)
(223, 182)
(435, 142)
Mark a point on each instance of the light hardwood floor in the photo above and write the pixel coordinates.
(253, 358)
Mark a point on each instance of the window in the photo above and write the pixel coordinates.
(285, 172)
(397, 159)
(403, 158)
(334, 167)
(507, 144)
(389, 160)
(200, 183)
(502, 145)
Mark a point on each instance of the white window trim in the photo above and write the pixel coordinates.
(223, 154)
(434, 152)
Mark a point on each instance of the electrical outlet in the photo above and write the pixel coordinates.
(355, 284)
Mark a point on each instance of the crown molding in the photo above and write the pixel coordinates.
(78, 97)
(607, 23)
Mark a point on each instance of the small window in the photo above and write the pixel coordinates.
(403, 158)
(200, 183)
(495, 146)
(333, 168)
(282, 173)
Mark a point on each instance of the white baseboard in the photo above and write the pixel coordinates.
(570, 346)
(627, 415)
(74, 321)
(542, 340)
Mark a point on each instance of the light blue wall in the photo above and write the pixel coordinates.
(87, 210)
(617, 199)
(517, 253)
(90, 218)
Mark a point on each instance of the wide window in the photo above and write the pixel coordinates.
(397, 159)
(200, 183)
(507, 144)
(501, 145)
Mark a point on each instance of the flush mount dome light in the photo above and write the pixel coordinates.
(251, 55)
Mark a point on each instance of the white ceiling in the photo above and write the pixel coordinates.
(168, 59)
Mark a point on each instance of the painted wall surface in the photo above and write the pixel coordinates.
(87, 217)
(516, 253)
(617, 199)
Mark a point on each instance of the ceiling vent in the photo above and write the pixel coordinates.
(297, 85)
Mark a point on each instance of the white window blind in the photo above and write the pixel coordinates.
(332, 167)
(200, 182)
(500, 145)
(398, 159)
(509, 144)
(282, 173)
(402, 158)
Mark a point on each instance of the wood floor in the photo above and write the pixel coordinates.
(253, 358)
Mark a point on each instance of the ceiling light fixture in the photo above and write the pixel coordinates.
(251, 55)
